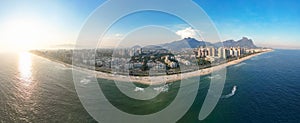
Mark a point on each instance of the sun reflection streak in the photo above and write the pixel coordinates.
(25, 68)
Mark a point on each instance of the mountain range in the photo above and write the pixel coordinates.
(194, 43)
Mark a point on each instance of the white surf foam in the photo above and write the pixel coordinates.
(232, 92)
(211, 77)
(241, 64)
(214, 76)
(85, 81)
(138, 89)
(164, 88)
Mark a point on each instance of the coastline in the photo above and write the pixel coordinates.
(156, 80)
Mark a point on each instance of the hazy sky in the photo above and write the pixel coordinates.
(57, 23)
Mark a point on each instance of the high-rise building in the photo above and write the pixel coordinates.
(211, 51)
(222, 53)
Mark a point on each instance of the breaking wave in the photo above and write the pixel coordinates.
(85, 81)
(231, 94)
(138, 89)
(241, 64)
(214, 76)
(164, 88)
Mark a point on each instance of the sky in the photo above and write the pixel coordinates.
(36, 24)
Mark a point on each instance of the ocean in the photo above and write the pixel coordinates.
(265, 88)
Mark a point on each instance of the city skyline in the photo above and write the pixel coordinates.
(55, 24)
(165, 61)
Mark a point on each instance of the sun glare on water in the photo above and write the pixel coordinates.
(26, 83)
(25, 67)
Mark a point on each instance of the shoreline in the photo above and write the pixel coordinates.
(156, 80)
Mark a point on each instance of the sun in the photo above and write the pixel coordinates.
(24, 33)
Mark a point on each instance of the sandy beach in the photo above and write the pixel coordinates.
(155, 80)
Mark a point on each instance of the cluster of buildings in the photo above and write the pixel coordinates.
(170, 61)
(212, 53)
(121, 60)
(136, 59)
(154, 65)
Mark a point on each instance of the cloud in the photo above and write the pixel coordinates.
(188, 32)
(118, 35)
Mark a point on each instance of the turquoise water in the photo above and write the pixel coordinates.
(268, 90)
(33, 89)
